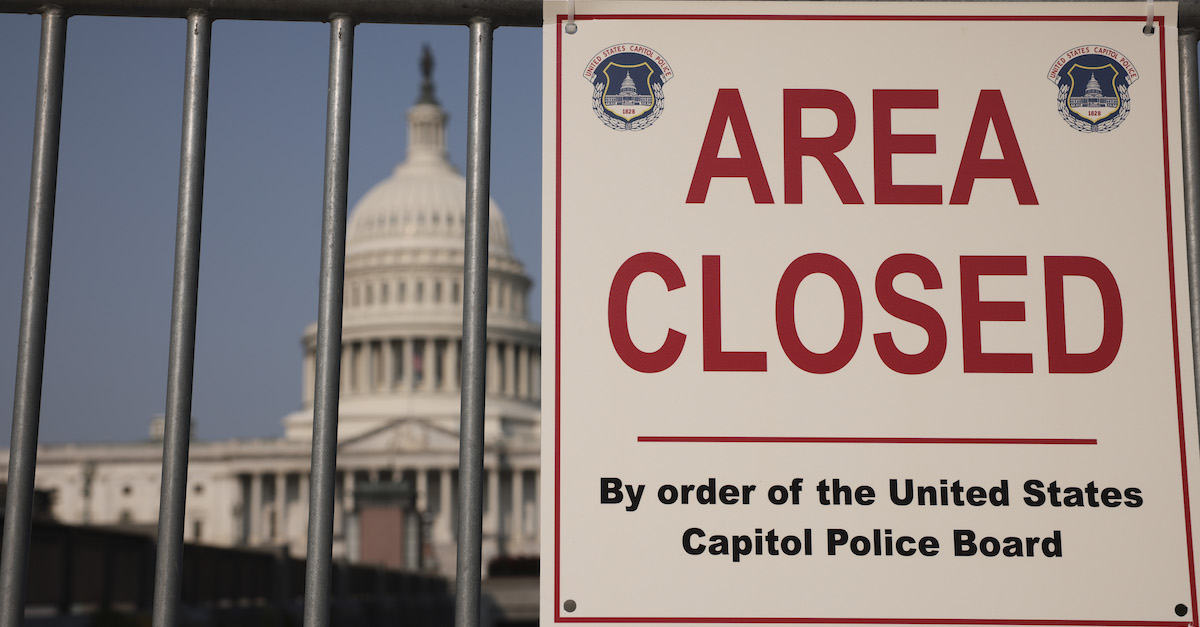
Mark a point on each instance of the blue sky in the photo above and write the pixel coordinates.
(106, 353)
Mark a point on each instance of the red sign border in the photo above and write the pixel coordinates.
(1179, 396)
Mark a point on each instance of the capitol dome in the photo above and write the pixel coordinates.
(396, 481)
(402, 306)
(423, 203)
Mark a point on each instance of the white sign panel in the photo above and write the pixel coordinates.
(865, 313)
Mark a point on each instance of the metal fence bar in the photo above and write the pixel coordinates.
(455, 12)
(31, 347)
(180, 364)
(1189, 103)
(318, 568)
(475, 289)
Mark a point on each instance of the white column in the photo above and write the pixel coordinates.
(441, 524)
(348, 490)
(448, 365)
(280, 508)
(378, 370)
(452, 364)
(527, 388)
(347, 352)
(429, 362)
(491, 518)
(240, 533)
(521, 372)
(510, 370)
(363, 356)
(535, 520)
(527, 366)
(302, 493)
(493, 368)
(518, 508)
(535, 375)
(338, 507)
(373, 384)
(421, 479)
(256, 498)
(310, 375)
(389, 365)
(406, 359)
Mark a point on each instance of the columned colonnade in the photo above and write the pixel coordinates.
(275, 503)
(430, 364)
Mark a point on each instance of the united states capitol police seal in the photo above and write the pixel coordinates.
(1093, 87)
(627, 82)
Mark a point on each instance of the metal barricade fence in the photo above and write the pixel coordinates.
(482, 17)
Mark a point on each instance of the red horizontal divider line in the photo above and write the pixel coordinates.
(738, 439)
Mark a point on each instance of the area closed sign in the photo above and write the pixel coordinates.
(866, 313)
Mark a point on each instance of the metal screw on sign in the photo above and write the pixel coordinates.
(1181, 610)
(569, 605)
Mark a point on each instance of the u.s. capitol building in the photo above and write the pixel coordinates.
(398, 416)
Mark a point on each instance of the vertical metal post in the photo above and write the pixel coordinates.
(31, 346)
(180, 363)
(1189, 104)
(329, 324)
(475, 285)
